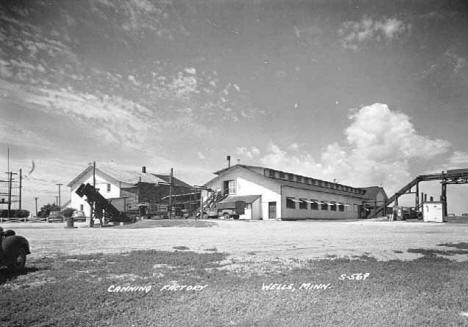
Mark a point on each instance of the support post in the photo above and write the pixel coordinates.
(443, 199)
(10, 177)
(201, 205)
(416, 200)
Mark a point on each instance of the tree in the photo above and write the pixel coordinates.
(46, 209)
(68, 212)
(21, 213)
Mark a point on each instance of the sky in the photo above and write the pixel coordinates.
(361, 92)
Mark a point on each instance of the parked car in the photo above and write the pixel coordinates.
(14, 250)
(79, 216)
(55, 216)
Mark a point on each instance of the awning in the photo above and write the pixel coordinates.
(230, 201)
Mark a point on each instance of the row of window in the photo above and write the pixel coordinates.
(311, 181)
(314, 204)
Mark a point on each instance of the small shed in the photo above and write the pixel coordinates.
(433, 211)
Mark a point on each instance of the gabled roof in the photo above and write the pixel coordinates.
(237, 165)
(175, 181)
(372, 191)
(125, 177)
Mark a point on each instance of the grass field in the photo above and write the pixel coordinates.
(84, 290)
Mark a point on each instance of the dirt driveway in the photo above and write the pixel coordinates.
(256, 240)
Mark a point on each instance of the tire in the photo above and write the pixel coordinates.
(19, 260)
(226, 216)
(235, 217)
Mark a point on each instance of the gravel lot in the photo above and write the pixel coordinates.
(253, 240)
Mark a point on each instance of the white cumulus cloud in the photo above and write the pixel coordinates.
(379, 148)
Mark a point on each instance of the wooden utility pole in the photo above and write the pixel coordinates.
(91, 219)
(170, 192)
(10, 177)
(59, 196)
(20, 187)
(35, 199)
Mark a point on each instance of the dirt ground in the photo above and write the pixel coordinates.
(253, 240)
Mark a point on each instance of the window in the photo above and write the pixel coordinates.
(108, 187)
(230, 187)
(340, 207)
(314, 205)
(324, 206)
(281, 174)
(81, 207)
(291, 177)
(302, 204)
(290, 203)
(333, 206)
(271, 173)
(299, 179)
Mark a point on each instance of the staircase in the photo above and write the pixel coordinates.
(212, 200)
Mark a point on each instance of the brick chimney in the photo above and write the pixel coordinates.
(143, 169)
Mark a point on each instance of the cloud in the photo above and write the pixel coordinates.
(248, 152)
(459, 159)
(380, 146)
(184, 86)
(201, 156)
(114, 119)
(355, 34)
(16, 135)
(378, 133)
(191, 70)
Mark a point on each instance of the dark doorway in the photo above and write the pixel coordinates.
(272, 210)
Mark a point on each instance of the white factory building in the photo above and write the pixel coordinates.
(273, 194)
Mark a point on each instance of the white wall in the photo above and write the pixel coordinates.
(101, 184)
(349, 211)
(249, 183)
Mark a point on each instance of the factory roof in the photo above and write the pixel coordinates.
(300, 181)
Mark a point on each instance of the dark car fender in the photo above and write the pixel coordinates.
(11, 243)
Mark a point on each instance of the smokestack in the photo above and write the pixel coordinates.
(143, 169)
(228, 158)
